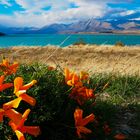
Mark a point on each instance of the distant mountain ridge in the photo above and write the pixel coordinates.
(85, 26)
(92, 25)
(17, 30)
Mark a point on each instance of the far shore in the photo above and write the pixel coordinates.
(123, 32)
(91, 58)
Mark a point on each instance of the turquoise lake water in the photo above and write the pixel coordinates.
(55, 39)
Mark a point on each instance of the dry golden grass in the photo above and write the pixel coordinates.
(96, 59)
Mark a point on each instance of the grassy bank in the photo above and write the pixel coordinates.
(91, 58)
(117, 104)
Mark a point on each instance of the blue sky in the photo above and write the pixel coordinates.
(39, 13)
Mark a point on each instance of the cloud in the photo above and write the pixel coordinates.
(35, 12)
(38, 5)
(128, 12)
(101, 1)
(5, 2)
(136, 19)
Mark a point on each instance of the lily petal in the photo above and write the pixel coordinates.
(27, 86)
(19, 135)
(66, 73)
(12, 104)
(24, 118)
(75, 79)
(69, 82)
(78, 116)
(88, 119)
(84, 130)
(18, 83)
(13, 125)
(13, 115)
(5, 86)
(20, 92)
(32, 130)
(28, 99)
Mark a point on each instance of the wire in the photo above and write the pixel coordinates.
(59, 47)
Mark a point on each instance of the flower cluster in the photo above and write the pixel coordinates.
(17, 119)
(7, 68)
(81, 94)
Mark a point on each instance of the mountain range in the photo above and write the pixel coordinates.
(92, 26)
(128, 24)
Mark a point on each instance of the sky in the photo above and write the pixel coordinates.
(39, 13)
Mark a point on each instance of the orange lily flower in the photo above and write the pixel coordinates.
(84, 75)
(80, 122)
(72, 79)
(81, 94)
(18, 84)
(4, 86)
(19, 128)
(7, 68)
(20, 90)
(120, 137)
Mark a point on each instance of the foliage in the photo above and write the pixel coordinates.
(54, 109)
(80, 42)
(119, 44)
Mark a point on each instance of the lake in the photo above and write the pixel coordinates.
(65, 40)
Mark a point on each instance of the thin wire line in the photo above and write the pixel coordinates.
(58, 47)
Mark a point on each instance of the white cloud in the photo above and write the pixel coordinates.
(128, 12)
(60, 11)
(136, 19)
(101, 1)
(37, 5)
(5, 2)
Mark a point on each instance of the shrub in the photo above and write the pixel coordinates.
(119, 44)
(80, 42)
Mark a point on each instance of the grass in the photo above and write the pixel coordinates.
(97, 59)
(117, 105)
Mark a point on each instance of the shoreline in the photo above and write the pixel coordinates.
(91, 58)
(72, 45)
(88, 33)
